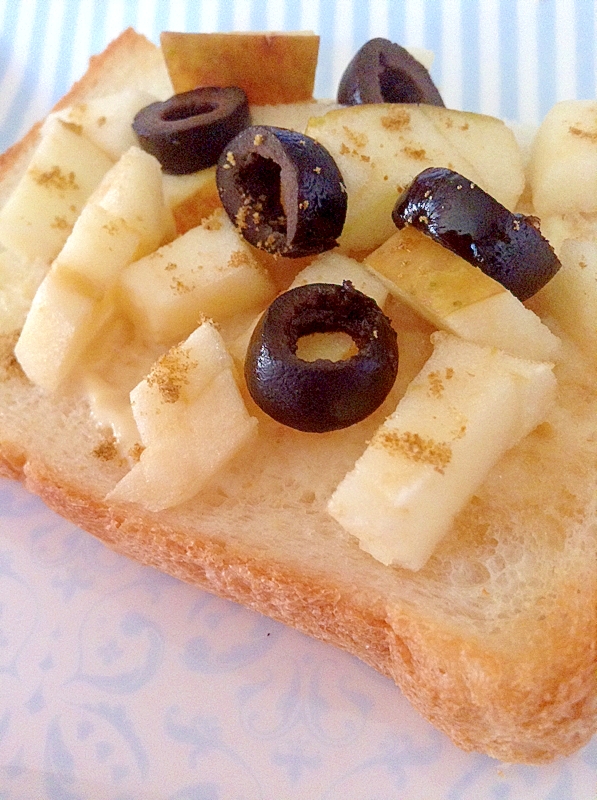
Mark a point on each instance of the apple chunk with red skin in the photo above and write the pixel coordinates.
(270, 67)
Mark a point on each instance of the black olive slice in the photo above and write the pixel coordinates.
(189, 131)
(283, 191)
(459, 215)
(318, 396)
(384, 72)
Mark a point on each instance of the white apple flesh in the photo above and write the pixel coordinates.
(464, 410)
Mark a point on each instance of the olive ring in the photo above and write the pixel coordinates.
(283, 191)
(188, 131)
(459, 215)
(321, 395)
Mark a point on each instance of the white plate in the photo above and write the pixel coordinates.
(117, 682)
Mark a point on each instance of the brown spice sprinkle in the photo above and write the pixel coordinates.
(9, 366)
(179, 287)
(54, 178)
(239, 259)
(240, 219)
(358, 139)
(60, 224)
(416, 448)
(582, 134)
(136, 450)
(436, 382)
(418, 154)
(106, 450)
(73, 126)
(112, 228)
(213, 223)
(171, 373)
(397, 120)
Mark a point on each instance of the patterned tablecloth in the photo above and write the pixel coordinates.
(117, 682)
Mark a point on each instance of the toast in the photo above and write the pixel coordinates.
(493, 641)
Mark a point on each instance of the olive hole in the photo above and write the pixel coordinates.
(259, 179)
(191, 110)
(396, 86)
(331, 346)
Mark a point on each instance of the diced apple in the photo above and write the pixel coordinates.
(99, 247)
(563, 166)
(76, 296)
(294, 116)
(330, 267)
(557, 228)
(333, 267)
(133, 191)
(489, 145)
(465, 409)
(110, 407)
(272, 68)
(192, 420)
(570, 297)
(19, 280)
(60, 322)
(379, 149)
(460, 298)
(193, 198)
(108, 381)
(40, 213)
(208, 272)
(107, 121)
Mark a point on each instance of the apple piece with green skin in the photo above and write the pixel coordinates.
(464, 410)
(563, 164)
(570, 298)
(286, 63)
(64, 170)
(379, 149)
(191, 420)
(208, 272)
(107, 121)
(458, 297)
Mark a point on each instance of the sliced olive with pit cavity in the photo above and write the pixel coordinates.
(283, 191)
(384, 72)
(189, 131)
(322, 395)
(459, 215)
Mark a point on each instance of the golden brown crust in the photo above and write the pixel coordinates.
(108, 68)
(462, 687)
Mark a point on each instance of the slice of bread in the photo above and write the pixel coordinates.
(494, 640)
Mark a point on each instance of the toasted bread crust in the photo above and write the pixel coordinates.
(529, 713)
(515, 704)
